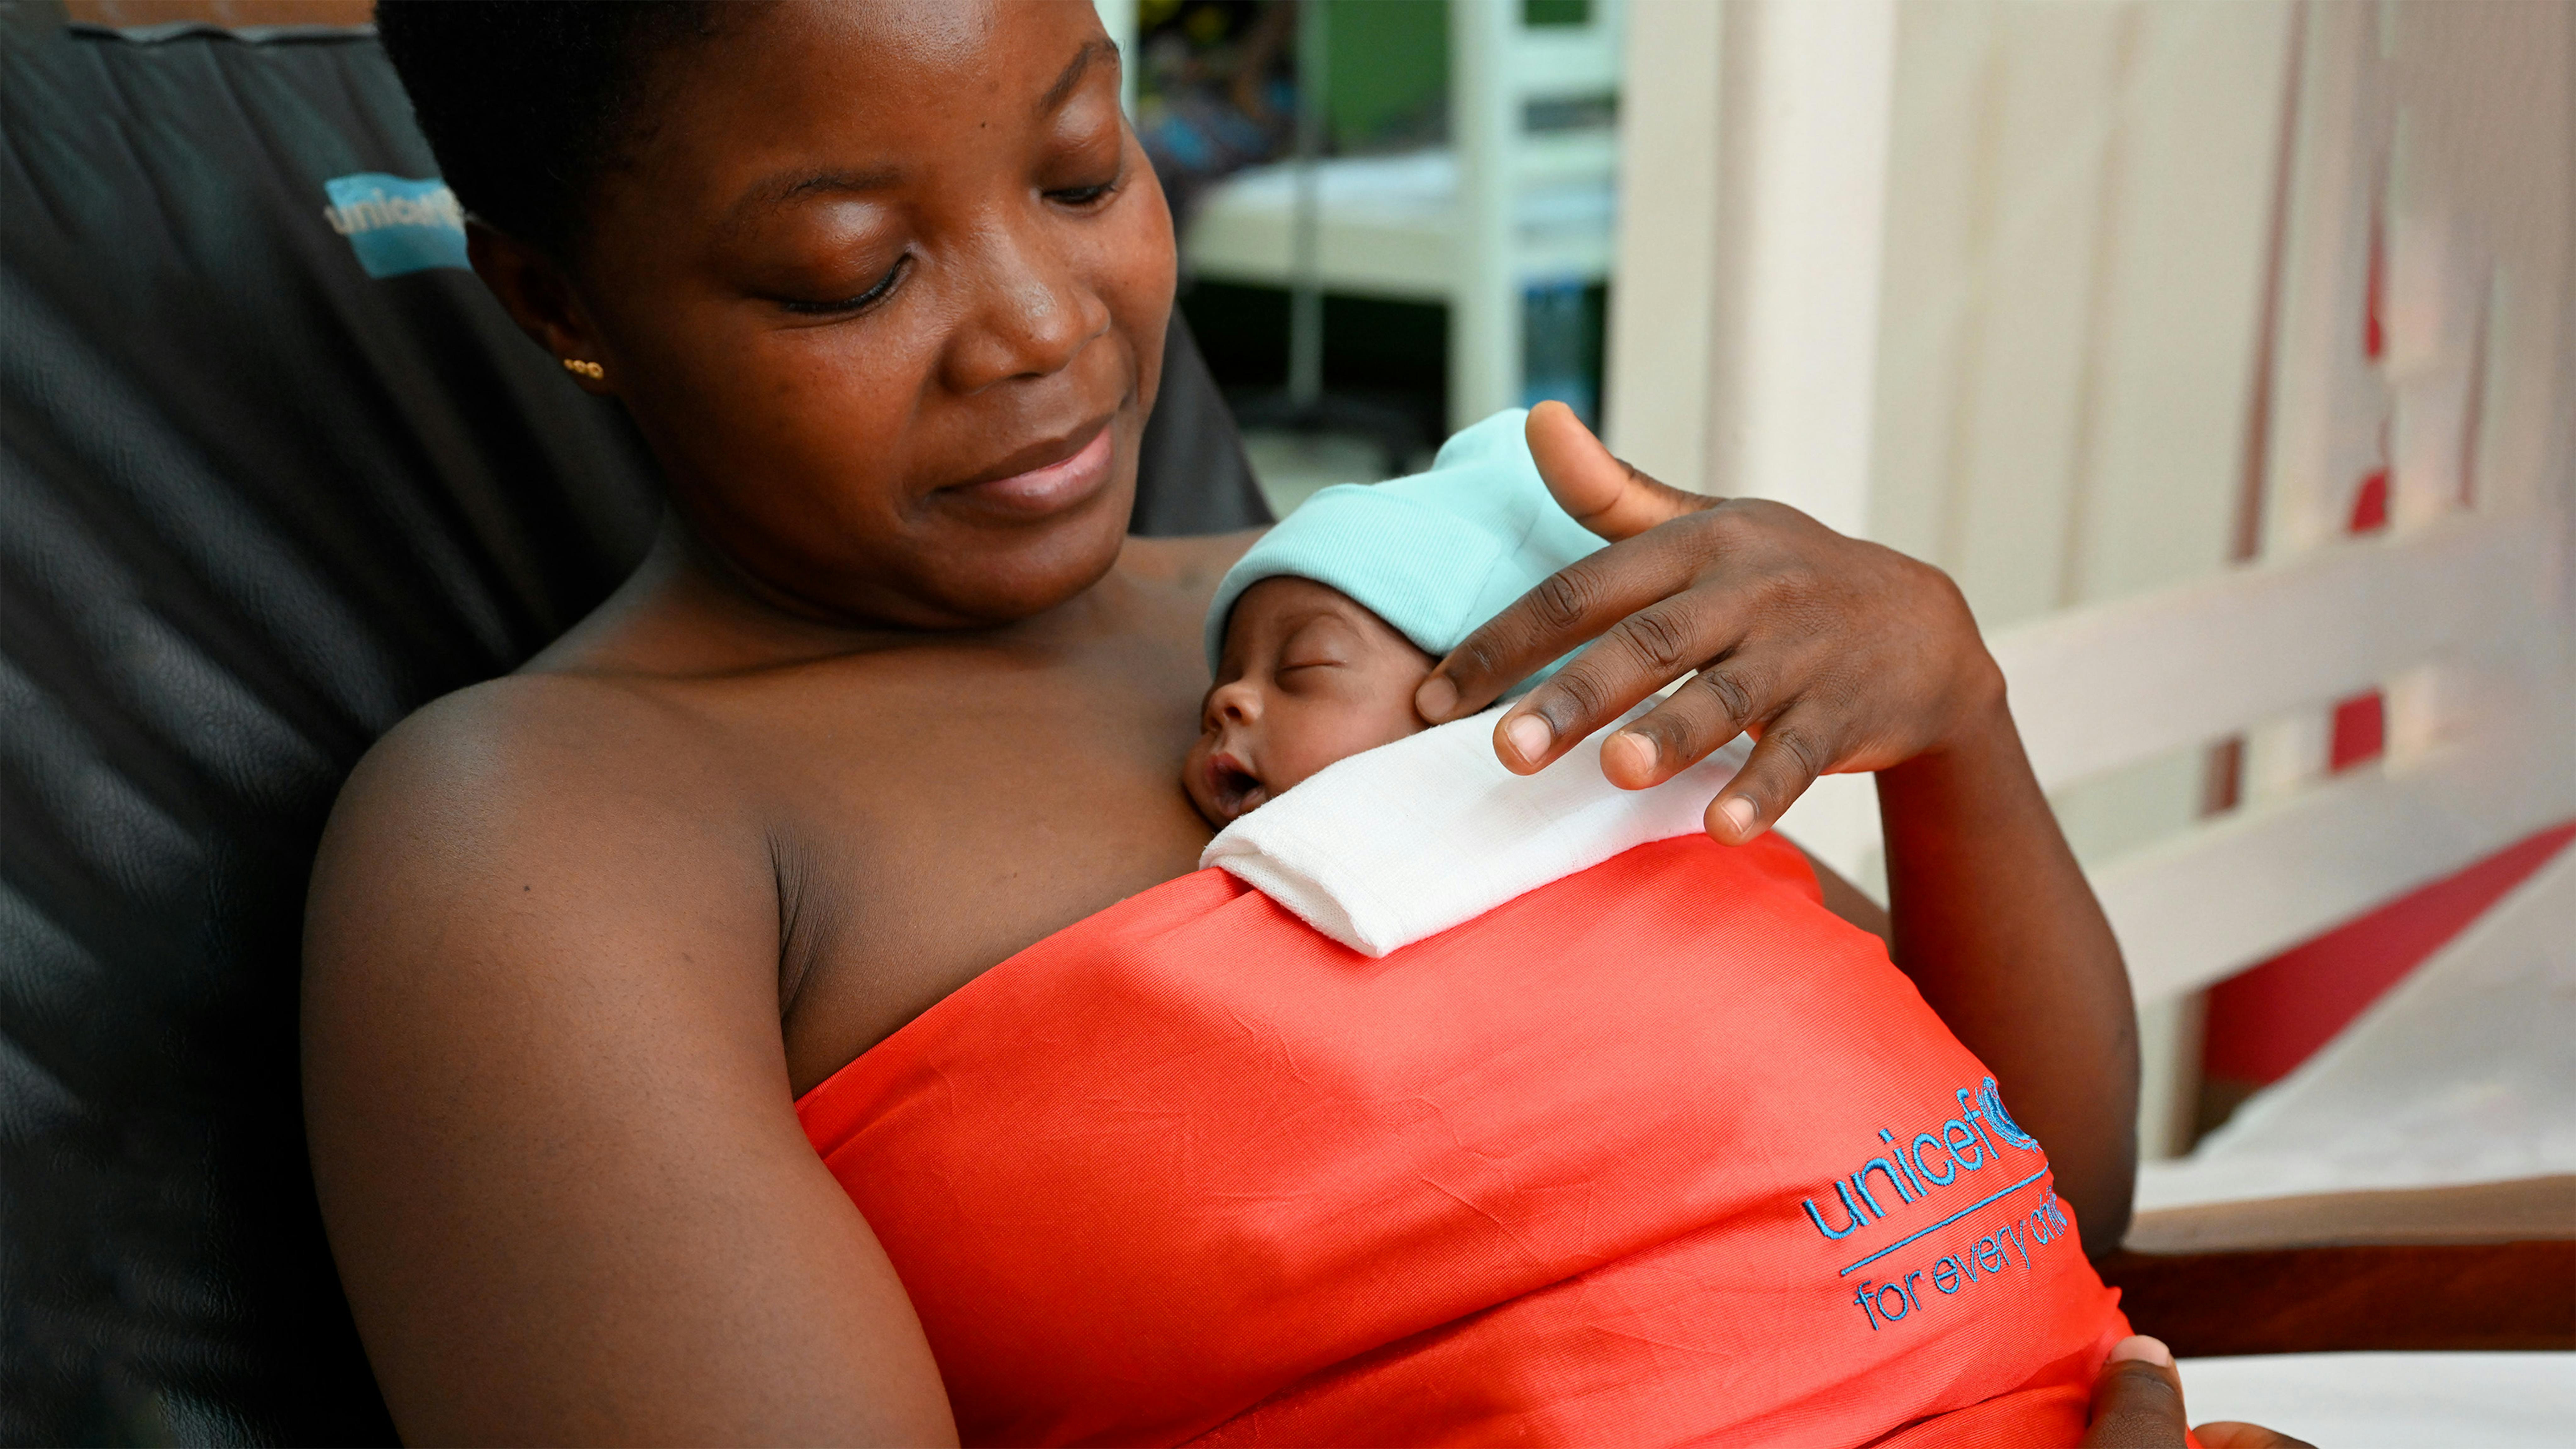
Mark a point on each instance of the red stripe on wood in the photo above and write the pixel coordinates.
(2370, 504)
(2360, 731)
(2267, 1019)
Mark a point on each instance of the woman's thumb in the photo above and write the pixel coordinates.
(2137, 1399)
(1595, 489)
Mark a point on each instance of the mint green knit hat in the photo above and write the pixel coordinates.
(1435, 554)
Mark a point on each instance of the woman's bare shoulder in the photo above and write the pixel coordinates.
(524, 744)
(587, 790)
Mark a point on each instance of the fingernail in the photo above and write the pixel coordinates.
(1435, 698)
(1639, 749)
(1739, 815)
(1529, 736)
(2139, 1346)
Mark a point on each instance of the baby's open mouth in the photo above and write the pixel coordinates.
(1236, 791)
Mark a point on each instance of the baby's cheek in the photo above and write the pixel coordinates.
(1316, 737)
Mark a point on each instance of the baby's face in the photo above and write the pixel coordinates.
(1308, 677)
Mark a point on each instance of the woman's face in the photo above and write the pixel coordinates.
(885, 285)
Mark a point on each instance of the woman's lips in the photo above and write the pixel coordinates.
(1048, 488)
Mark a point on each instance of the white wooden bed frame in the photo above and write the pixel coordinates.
(2425, 149)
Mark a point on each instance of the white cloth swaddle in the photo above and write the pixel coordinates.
(1406, 840)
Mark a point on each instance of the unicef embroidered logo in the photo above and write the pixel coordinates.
(1991, 1102)
(1911, 1170)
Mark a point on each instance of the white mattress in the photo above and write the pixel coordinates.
(1389, 223)
(2397, 1400)
(2464, 1073)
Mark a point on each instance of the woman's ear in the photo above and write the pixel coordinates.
(539, 297)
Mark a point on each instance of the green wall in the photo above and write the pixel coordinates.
(1390, 64)
(1390, 71)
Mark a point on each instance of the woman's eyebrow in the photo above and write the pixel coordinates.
(778, 190)
(1073, 72)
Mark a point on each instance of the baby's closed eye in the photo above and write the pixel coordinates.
(1323, 643)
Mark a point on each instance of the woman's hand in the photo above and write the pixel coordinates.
(2137, 1404)
(1835, 653)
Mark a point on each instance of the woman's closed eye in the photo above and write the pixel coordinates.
(1088, 163)
(1085, 197)
(845, 306)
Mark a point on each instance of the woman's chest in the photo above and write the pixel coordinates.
(923, 835)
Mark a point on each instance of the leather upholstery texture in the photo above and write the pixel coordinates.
(255, 506)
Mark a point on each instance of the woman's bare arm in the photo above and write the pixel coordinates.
(1838, 655)
(1996, 925)
(549, 1109)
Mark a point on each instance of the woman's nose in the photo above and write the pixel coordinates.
(1035, 315)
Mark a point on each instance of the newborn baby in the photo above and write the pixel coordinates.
(1319, 635)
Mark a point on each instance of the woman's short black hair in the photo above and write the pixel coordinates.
(527, 102)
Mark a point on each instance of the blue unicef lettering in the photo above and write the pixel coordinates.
(1883, 1168)
(1851, 1214)
(397, 225)
(1965, 1146)
(1966, 1143)
(1991, 1102)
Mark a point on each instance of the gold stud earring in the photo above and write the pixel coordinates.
(591, 370)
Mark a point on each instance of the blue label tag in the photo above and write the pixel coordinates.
(397, 225)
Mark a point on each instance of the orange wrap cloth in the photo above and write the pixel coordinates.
(1662, 1153)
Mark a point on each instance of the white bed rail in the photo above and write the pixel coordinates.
(2467, 626)
(2465, 623)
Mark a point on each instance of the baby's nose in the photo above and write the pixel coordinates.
(1237, 703)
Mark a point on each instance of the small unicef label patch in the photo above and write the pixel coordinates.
(396, 225)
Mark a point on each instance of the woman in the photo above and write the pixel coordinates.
(885, 287)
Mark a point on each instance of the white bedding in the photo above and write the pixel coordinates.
(2462, 1074)
(2393, 1400)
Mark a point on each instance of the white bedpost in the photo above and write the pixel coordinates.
(1118, 17)
(1753, 177)
(1656, 369)
(1485, 305)
(1797, 359)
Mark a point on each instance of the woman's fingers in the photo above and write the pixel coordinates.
(2137, 1404)
(1792, 752)
(1836, 652)
(1595, 489)
(2137, 1399)
(1711, 707)
(2228, 1434)
(1636, 657)
(1567, 610)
